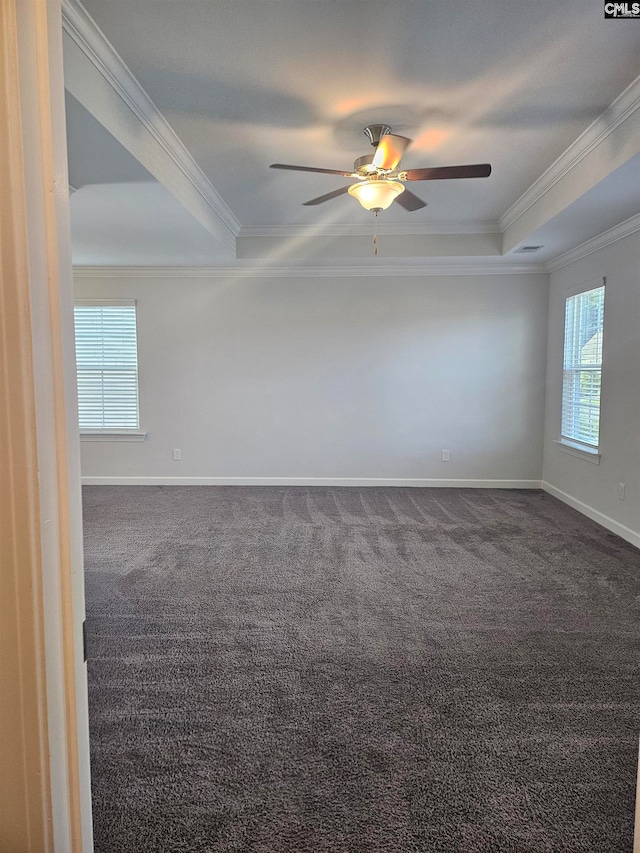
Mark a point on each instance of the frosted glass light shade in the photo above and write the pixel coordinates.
(376, 195)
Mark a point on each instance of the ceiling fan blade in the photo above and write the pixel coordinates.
(410, 201)
(327, 196)
(310, 169)
(389, 151)
(440, 173)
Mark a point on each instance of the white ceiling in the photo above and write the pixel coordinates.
(244, 83)
(122, 215)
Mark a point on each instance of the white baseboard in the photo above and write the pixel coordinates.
(310, 481)
(636, 834)
(621, 530)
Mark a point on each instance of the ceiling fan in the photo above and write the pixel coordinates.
(378, 176)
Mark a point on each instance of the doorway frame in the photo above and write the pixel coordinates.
(44, 740)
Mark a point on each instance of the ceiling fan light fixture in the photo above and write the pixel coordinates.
(376, 195)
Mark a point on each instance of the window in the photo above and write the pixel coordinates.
(583, 327)
(107, 365)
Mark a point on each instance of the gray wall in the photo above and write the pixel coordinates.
(594, 488)
(335, 378)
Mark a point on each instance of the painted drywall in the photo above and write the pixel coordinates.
(312, 245)
(348, 377)
(594, 488)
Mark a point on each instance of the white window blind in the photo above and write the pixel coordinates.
(583, 328)
(107, 366)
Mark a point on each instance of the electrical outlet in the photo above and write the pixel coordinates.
(446, 455)
(177, 454)
(621, 491)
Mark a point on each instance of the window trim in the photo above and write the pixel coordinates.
(581, 451)
(118, 433)
(112, 435)
(565, 443)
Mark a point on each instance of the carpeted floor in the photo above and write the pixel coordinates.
(345, 670)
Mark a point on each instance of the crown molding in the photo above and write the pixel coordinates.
(84, 31)
(612, 235)
(478, 226)
(615, 114)
(246, 270)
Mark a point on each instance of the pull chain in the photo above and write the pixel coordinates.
(375, 234)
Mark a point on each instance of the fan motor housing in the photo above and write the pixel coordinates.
(364, 164)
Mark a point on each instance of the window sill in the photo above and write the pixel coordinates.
(106, 435)
(575, 449)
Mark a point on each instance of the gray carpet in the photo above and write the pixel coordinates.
(383, 670)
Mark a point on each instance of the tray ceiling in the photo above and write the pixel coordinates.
(245, 83)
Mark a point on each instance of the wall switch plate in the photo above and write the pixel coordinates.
(177, 454)
(446, 455)
(621, 491)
